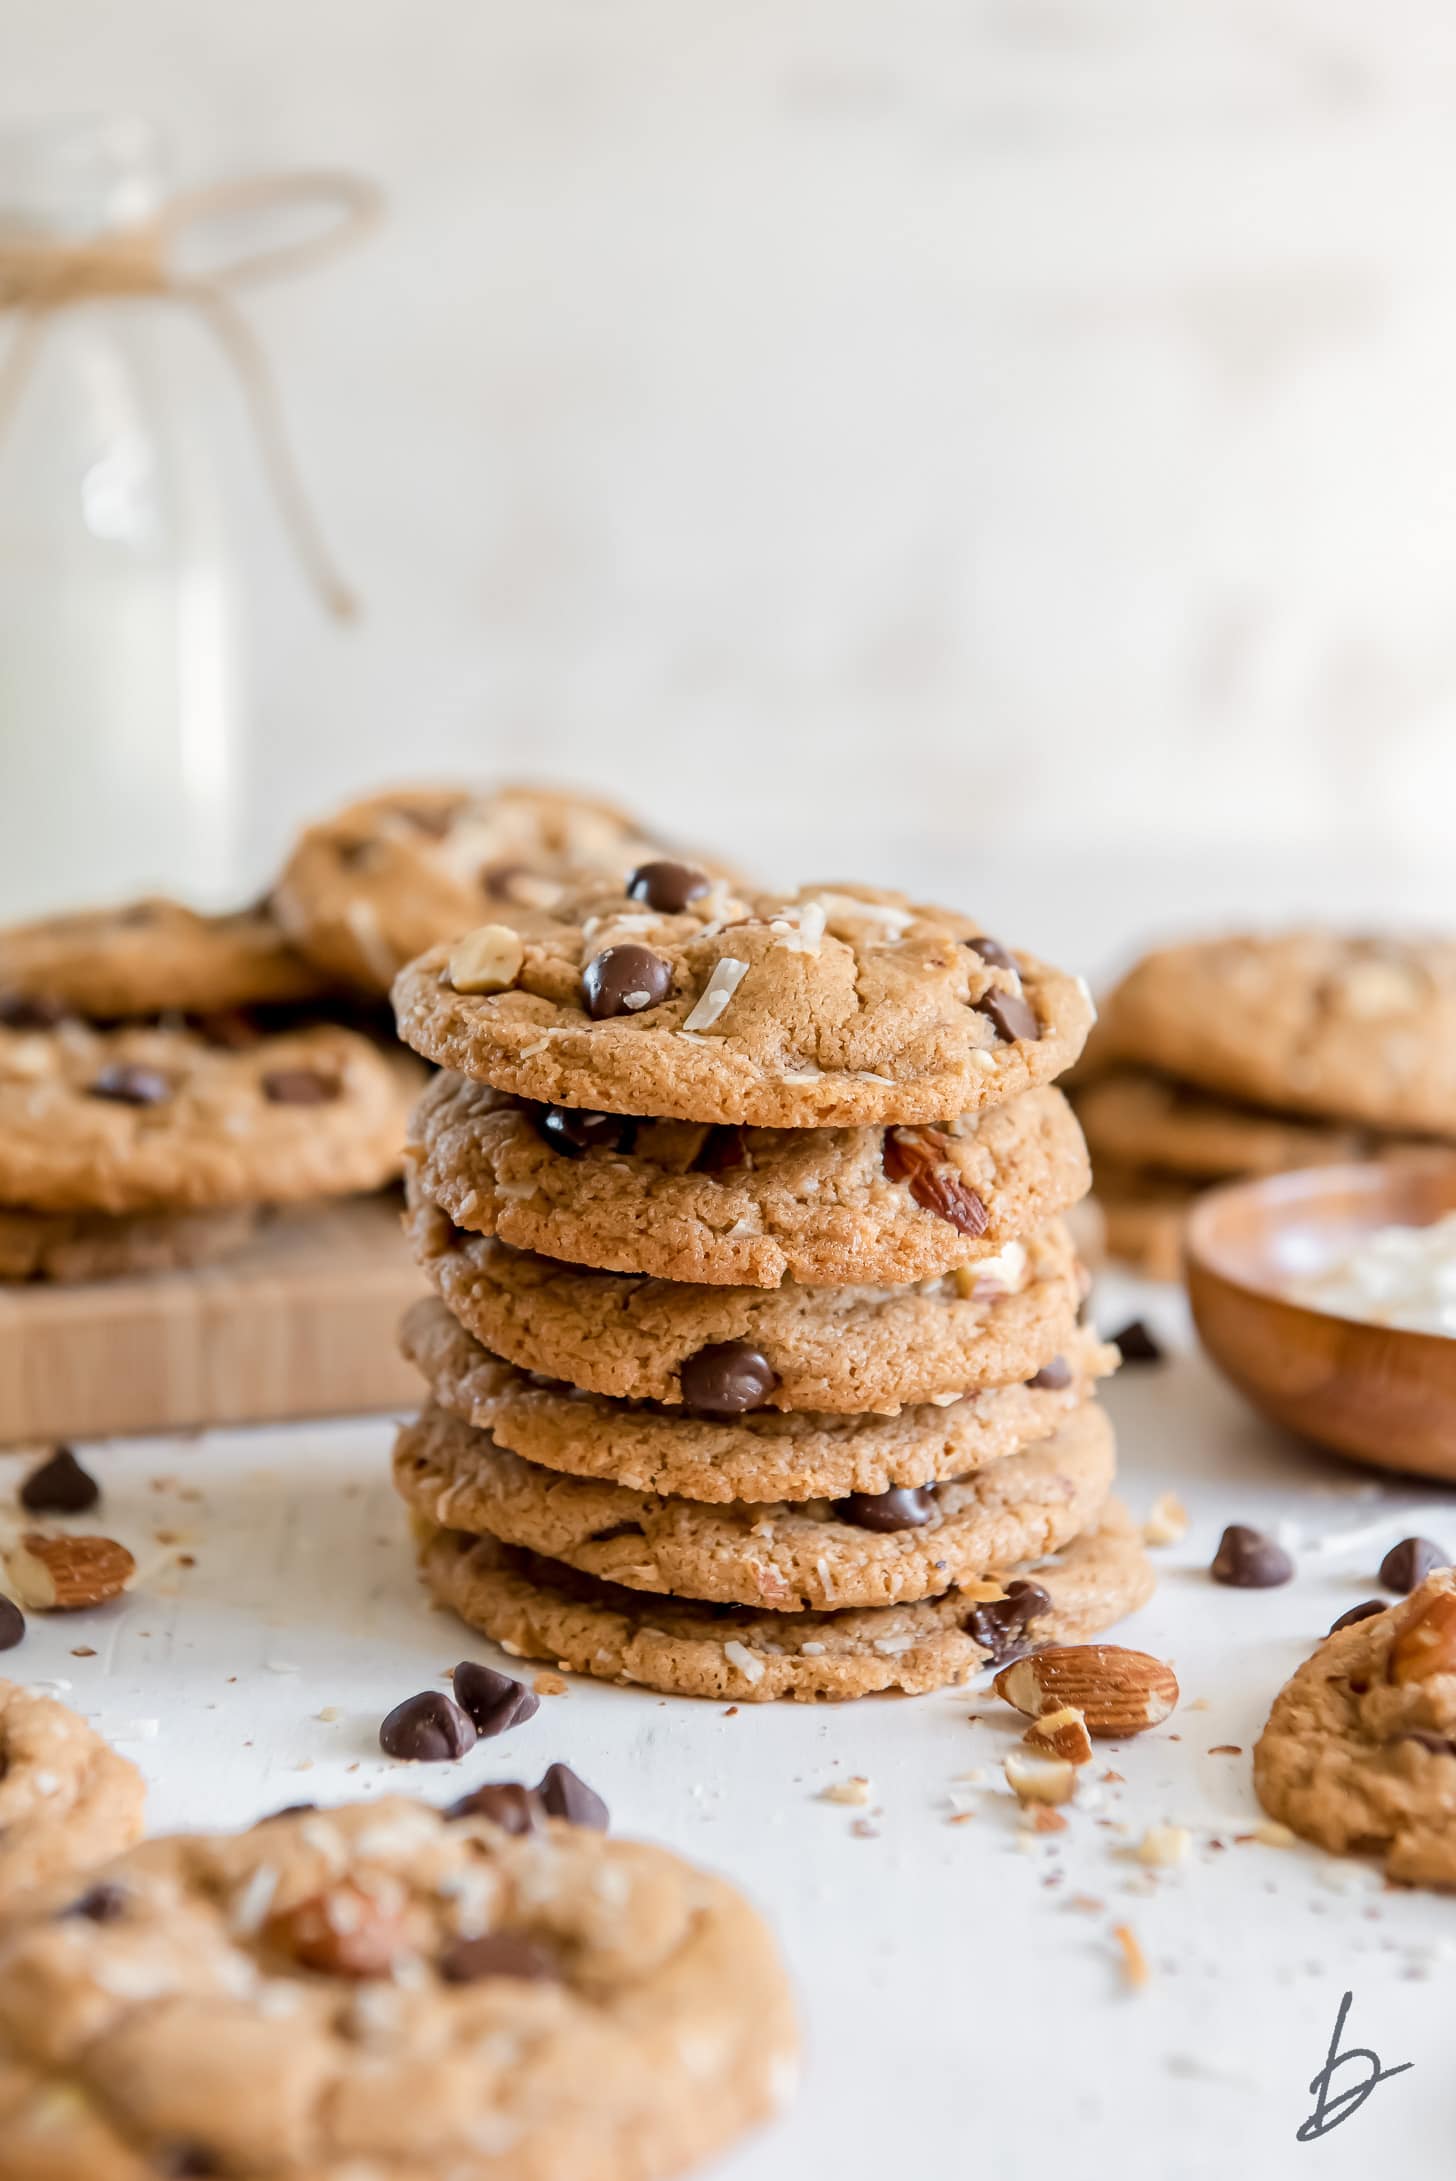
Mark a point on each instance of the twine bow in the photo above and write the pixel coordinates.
(41, 276)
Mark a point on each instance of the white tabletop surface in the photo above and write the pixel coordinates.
(963, 2003)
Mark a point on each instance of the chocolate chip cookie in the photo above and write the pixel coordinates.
(380, 1990)
(371, 887)
(537, 1608)
(725, 1350)
(142, 1118)
(74, 1247)
(746, 1207)
(833, 1006)
(66, 1799)
(1313, 1022)
(763, 1455)
(1359, 1753)
(1134, 1118)
(816, 1555)
(152, 957)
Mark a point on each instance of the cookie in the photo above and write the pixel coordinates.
(66, 1799)
(151, 957)
(812, 1555)
(537, 1608)
(1359, 1753)
(746, 1207)
(384, 1991)
(842, 1348)
(1314, 1022)
(1144, 1217)
(371, 887)
(146, 1118)
(767, 1453)
(73, 1247)
(829, 1007)
(1134, 1118)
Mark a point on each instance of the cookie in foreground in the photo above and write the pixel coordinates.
(67, 1800)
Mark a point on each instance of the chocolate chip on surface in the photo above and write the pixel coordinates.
(564, 1795)
(575, 1130)
(666, 886)
(300, 1087)
(1010, 1014)
(515, 1809)
(727, 1378)
(1406, 1565)
(1362, 1612)
(1053, 1376)
(497, 1954)
(12, 1624)
(1249, 1560)
(59, 1486)
(999, 1626)
(493, 1701)
(128, 1085)
(99, 1904)
(429, 1728)
(903, 1507)
(1135, 1343)
(992, 952)
(623, 981)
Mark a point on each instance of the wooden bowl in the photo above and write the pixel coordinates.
(1378, 1392)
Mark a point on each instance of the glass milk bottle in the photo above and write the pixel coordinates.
(119, 693)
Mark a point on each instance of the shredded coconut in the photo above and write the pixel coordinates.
(738, 1654)
(728, 975)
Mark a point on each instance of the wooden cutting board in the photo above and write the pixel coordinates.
(300, 1323)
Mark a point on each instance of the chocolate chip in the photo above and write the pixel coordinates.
(232, 1032)
(1406, 1565)
(515, 1809)
(59, 1486)
(99, 1904)
(300, 1087)
(623, 980)
(29, 1011)
(428, 1729)
(903, 1507)
(12, 1624)
(667, 886)
(992, 952)
(1440, 1745)
(187, 2162)
(724, 1148)
(499, 879)
(128, 1085)
(493, 1700)
(727, 1377)
(1362, 1612)
(1136, 1344)
(497, 1954)
(1010, 1013)
(563, 1795)
(575, 1130)
(998, 1627)
(1053, 1376)
(1248, 1560)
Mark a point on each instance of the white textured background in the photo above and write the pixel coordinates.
(905, 436)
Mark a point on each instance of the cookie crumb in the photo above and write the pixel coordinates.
(549, 1684)
(1135, 1970)
(1167, 1521)
(1162, 1846)
(854, 1790)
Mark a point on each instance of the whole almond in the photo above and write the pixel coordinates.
(63, 1574)
(1117, 1692)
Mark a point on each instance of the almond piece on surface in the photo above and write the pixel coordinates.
(1061, 1733)
(64, 1574)
(1033, 1777)
(1117, 1692)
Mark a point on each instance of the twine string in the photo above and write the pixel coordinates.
(39, 277)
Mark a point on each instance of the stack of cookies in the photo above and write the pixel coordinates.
(1249, 1055)
(756, 1357)
(163, 1076)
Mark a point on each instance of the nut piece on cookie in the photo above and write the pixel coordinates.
(486, 960)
